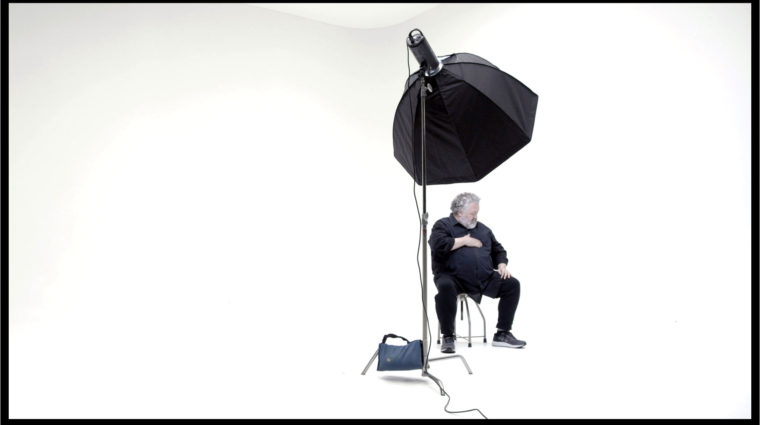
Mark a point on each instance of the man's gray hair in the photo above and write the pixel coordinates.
(462, 201)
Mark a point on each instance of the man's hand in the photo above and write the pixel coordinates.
(473, 242)
(503, 272)
(466, 241)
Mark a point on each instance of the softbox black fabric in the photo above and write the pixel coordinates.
(477, 116)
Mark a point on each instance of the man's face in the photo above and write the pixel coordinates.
(468, 217)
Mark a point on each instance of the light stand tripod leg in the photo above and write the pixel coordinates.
(436, 380)
(370, 361)
(451, 357)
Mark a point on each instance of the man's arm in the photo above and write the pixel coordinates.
(499, 257)
(466, 240)
(440, 241)
(498, 253)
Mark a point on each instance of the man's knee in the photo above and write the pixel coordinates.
(446, 286)
(514, 281)
(513, 286)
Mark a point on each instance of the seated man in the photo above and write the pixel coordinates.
(464, 253)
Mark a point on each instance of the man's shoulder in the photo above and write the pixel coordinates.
(484, 227)
(445, 222)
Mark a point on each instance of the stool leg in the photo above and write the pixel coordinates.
(484, 322)
(469, 323)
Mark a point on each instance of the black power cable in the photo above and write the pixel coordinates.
(419, 268)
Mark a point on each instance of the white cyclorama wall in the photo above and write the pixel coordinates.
(204, 196)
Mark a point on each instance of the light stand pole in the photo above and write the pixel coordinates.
(429, 66)
(425, 352)
(423, 101)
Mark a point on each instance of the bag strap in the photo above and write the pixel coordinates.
(394, 336)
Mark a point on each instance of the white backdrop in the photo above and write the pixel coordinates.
(203, 195)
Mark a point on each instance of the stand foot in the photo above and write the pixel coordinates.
(370, 361)
(451, 357)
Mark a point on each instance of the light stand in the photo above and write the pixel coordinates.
(423, 99)
(427, 59)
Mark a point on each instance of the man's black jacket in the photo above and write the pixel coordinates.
(474, 267)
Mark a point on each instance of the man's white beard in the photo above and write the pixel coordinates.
(469, 226)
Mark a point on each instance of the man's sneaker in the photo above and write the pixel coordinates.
(506, 339)
(449, 344)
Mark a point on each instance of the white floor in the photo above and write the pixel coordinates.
(224, 355)
(215, 372)
(549, 379)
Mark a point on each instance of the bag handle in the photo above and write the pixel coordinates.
(394, 336)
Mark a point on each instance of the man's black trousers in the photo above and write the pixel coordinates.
(507, 290)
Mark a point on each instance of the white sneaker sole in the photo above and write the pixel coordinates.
(505, 344)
